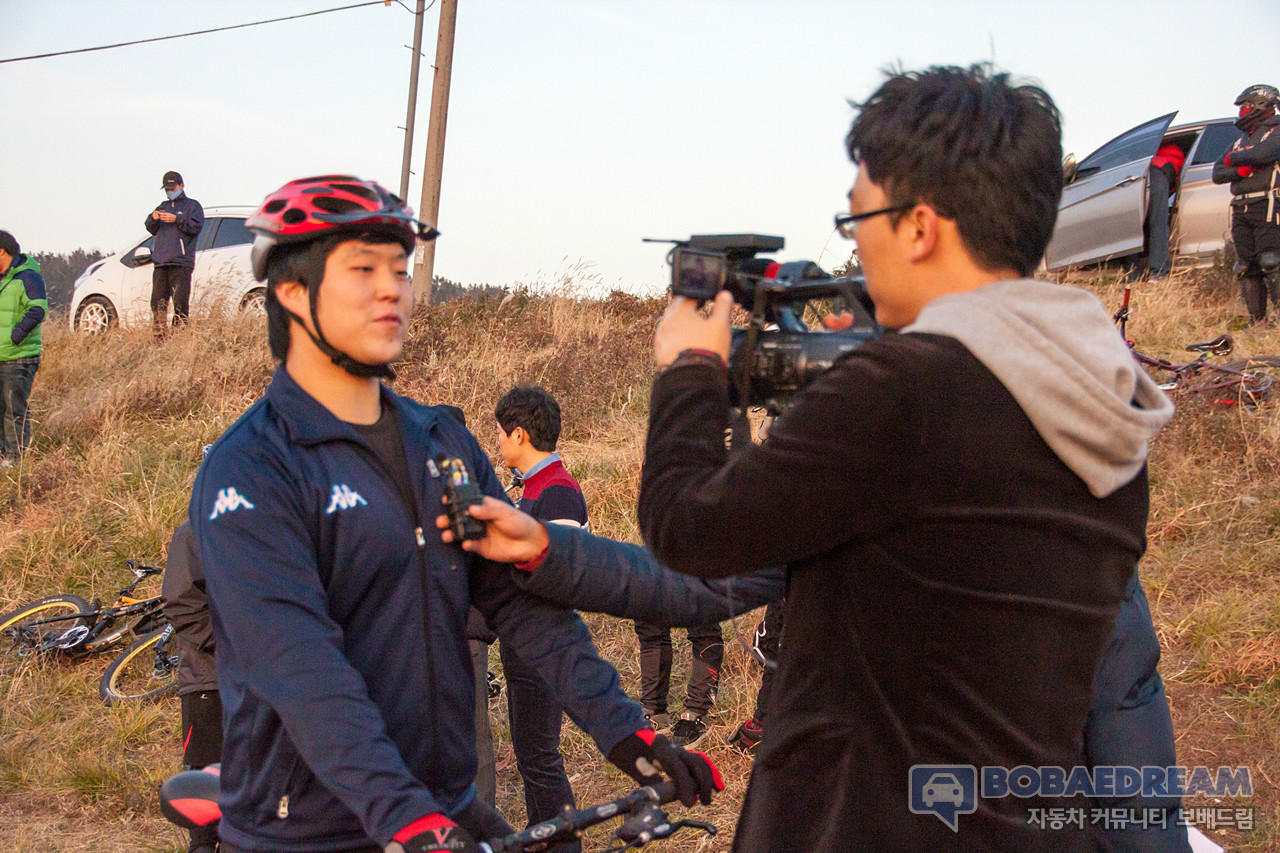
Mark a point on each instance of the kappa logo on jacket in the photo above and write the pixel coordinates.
(343, 497)
(229, 500)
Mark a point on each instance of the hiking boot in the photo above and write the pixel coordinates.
(688, 730)
(747, 736)
(660, 720)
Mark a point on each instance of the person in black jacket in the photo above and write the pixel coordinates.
(176, 224)
(343, 666)
(959, 506)
(1252, 167)
(186, 606)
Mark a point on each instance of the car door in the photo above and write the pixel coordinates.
(1204, 208)
(1103, 208)
(133, 302)
(223, 272)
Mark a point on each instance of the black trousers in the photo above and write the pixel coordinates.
(1253, 234)
(170, 282)
(768, 641)
(201, 744)
(655, 667)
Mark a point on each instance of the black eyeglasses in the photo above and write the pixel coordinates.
(846, 222)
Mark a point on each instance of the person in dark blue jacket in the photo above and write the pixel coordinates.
(340, 626)
(176, 223)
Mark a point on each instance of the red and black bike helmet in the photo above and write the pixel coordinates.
(311, 209)
(308, 208)
(1257, 104)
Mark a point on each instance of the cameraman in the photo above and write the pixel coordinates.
(959, 506)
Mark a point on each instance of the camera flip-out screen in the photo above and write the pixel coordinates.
(697, 274)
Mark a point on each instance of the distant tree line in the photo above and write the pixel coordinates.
(444, 290)
(60, 272)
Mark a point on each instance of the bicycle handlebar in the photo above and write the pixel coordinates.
(190, 799)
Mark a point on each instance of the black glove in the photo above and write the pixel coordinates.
(433, 833)
(644, 753)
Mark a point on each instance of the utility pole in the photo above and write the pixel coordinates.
(413, 99)
(425, 263)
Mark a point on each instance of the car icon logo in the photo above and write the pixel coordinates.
(943, 788)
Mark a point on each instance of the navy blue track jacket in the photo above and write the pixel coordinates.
(175, 243)
(340, 622)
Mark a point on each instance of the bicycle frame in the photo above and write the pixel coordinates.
(1251, 386)
(99, 634)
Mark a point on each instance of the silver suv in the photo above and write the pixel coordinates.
(1104, 204)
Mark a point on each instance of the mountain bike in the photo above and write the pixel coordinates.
(190, 800)
(67, 626)
(1245, 381)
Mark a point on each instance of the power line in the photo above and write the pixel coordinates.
(203, 32)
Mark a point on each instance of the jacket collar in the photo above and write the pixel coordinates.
(309, 422)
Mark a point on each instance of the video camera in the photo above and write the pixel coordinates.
(777, 354)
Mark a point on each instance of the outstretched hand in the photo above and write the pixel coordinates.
(511, 536)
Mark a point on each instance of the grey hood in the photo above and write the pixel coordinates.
(1056, 350)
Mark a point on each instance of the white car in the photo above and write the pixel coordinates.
(117, 289)
(1103, 213)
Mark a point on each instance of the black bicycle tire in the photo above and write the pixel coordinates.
(48, 603)
(137, 652)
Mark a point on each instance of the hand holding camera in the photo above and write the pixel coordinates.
(683, 327)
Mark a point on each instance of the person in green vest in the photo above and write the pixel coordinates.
(23, 307)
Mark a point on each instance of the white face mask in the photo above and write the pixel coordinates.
(172, 194)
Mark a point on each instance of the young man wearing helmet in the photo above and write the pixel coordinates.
(1252, 167)
(345, 676)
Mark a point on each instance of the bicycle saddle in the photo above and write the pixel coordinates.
(1221, 345)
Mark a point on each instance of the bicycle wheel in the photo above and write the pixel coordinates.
(144, 672)
(1265, 375)
(22, 635)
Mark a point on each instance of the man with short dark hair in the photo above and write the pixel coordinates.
(959, 505)
(528, 433)
(23, 307)
(176, 224)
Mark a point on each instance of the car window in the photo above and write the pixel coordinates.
(129, 257)
(1214, 142)
(1138, 144)
(232, 232)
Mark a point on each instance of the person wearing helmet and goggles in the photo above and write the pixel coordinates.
(340, 627)
(1252, 167)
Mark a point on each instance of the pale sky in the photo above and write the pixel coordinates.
(576, 127)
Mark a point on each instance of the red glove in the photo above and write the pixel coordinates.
(433, 833)
(1244, 171)
(644, 753)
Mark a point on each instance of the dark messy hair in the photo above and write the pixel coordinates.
(976, 149)
(304, 263)
(533, 409)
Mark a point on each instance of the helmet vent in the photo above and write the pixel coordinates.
(332, 204)
(275, 206)
(293, 216)
(357, 189)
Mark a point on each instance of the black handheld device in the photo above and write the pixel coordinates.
(460, 493)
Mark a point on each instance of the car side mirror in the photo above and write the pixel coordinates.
(1070, 168)
(142, 256)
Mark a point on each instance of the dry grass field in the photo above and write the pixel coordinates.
(120, 422)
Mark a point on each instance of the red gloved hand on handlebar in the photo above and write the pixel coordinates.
(433, 833)
(644, 753)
